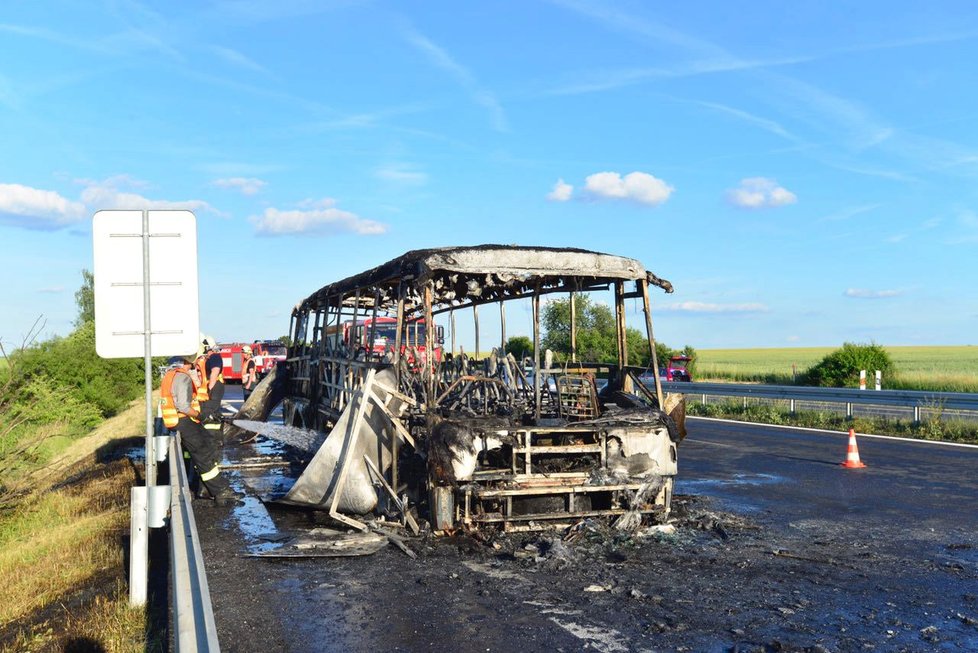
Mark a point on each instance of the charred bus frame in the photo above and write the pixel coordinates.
(478, 442)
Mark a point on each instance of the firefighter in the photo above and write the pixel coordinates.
(249, 373)
(210, 391)
(182, 410)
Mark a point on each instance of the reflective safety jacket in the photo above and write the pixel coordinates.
(203, 390)
(170, 413)
(245, 364)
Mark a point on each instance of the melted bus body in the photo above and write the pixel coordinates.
(477, 443)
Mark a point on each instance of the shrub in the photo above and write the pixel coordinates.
(841, 368)
(71, 362)
(519, 346)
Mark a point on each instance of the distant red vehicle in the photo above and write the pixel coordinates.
(384, 337)
(231, 356)
(268, 354)
(678, 369)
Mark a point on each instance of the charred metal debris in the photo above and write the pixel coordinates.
(420, 430)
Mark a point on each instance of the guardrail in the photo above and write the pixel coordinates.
(193, 614)
(913, 399)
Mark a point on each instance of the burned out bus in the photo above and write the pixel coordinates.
(476, 442)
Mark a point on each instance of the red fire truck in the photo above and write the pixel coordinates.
(384, 332)
(268, 354)
(232, 356)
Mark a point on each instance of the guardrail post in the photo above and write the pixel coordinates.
(745, 402)
(916, 414)
(791, 403)
(704, 399)
(138, 545)
(849, 410)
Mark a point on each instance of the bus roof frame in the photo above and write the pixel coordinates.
(473, 275)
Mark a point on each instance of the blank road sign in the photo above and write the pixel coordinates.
(118, 271)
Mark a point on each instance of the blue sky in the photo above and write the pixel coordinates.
(804, 173)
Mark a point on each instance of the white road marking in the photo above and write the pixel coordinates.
(607, 640)
(827, 431)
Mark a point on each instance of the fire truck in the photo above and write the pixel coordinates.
(384, 333)
(232, 356)
(268, 354)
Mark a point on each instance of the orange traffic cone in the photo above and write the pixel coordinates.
(852, 456)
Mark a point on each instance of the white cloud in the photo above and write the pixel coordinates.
(108, 195)
(236, 58)
(638, 187)
(561, 192)
(477, 94)
(33, 208)
(793, 338)
(863, 293)
(317, 218)
(244, 185)
(850, 212)
(702, 307)
(760, 192)
(402, 173)
(51, 290)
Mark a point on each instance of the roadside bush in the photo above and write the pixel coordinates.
(519, 346)
(841, 368)
(44, 417)
(71, 362)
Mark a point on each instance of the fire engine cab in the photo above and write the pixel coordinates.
(268, 354)
(383, 330)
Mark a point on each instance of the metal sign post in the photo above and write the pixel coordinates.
(148, 358)
(163, 245)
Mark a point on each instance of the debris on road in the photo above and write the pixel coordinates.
(327, 545)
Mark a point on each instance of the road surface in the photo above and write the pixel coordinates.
(778, 548)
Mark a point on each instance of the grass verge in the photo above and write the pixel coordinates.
(934, 428)
(62, 550)
(936, 368)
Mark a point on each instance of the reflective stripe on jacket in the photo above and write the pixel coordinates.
(244, 370)
(203, 391)
(171, 416)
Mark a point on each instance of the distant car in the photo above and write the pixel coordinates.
(678, 368)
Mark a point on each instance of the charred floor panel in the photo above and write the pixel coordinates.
(779, 549)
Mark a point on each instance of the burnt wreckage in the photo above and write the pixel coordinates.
(416, 428)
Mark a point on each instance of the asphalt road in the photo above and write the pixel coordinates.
(795, 474)
(778, 548)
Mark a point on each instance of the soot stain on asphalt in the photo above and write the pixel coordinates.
(715, 580)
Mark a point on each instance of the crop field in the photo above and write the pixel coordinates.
(948, 369)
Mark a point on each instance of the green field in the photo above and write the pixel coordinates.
(949, 369)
